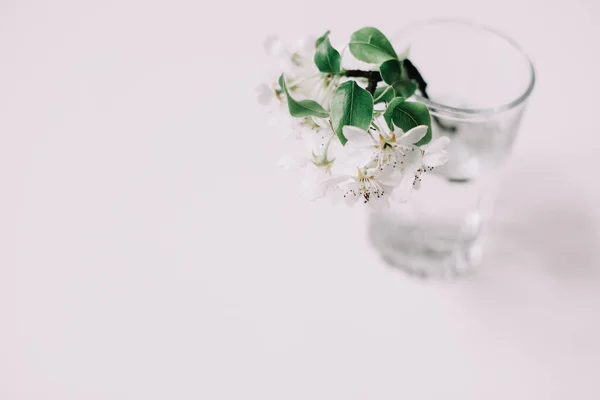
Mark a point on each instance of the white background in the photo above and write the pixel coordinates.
(149, 248)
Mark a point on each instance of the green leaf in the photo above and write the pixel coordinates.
(394, 74)
(302, 108)
(406, 115)
(351, 105)
(371, 46)
(320, 40)
(392, 71)
(405, 88)
(387, 115)
(384, 94)
(327, 58)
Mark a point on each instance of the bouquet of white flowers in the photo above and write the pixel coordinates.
(361, 136)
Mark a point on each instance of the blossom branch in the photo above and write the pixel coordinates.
(374, 77)
(357, 73)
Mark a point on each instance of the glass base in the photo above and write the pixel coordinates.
(427, 250)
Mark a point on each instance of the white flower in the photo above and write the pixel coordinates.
(279, 115)
(293, 60)
(314, 157)
(434, 155)
(309, 128)
(319, 87)
(428, 157)
(395, 155)
(304, 80)
(370, 186)
(425, 159)
(387, 150)
(356, 176)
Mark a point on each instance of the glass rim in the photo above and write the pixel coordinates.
(458, 112)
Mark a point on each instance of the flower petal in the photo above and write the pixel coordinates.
(316, 183)
(412, 161)
(390, 177)
(417, 185)
(337, 180)
(414, 135)
(351, 156)
(435, 152)
(323, 123)
(316, 142)
(360, 158)
(351, 199)
(435, 159)
(402, 192)
(358, 136)
(438, 144)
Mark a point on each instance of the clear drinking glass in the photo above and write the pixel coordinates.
(478, 82)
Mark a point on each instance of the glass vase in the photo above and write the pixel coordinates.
(478, 83)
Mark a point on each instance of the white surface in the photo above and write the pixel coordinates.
(150, 250)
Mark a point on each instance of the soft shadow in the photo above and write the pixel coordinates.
(543, 221)
(536, 292)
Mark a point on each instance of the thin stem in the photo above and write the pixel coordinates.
(373, 78)
(372, 86)
(357, 73)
